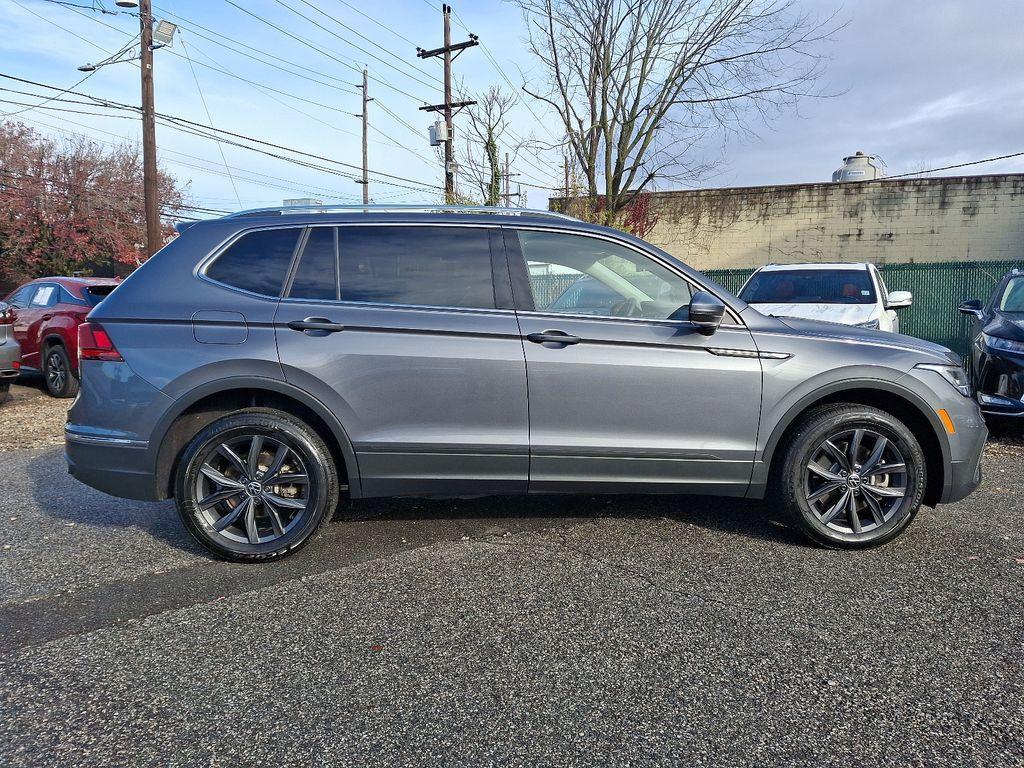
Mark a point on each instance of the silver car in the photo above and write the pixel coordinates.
(10, 353)
(264, 364)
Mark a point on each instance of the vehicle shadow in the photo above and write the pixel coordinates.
(62, 497)
(743, 517)
(58, 495)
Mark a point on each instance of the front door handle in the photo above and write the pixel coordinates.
(553, 337)
(316, 326)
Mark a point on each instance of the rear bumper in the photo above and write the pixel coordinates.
(113, 465)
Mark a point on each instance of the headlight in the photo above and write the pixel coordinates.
(873, 324)
(1009, 345)
(954, 374)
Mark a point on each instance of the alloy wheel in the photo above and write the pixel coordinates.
(56, 372)
(252, 489)
(855, 481)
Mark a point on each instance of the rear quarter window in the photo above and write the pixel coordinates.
(257, 262)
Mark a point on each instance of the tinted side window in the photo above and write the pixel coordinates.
(317, 274)
(257, 262)
(425, 266)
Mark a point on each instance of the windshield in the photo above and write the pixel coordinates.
(1013, 296)
(810, 286)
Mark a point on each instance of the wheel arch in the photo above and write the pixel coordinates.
(205, 404)
(892, 398)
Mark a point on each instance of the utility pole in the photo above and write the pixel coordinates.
(565, 169)
(366, 125)
(149, 173)
(446, 108)
(506, 181)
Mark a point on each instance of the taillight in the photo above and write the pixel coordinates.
(95, 344)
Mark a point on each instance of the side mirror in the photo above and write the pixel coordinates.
(972, 308)
(899, 299)
(706, 312)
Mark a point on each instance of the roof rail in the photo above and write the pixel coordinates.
(495, 210)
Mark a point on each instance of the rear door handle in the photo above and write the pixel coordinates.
(316, 326)
(553, 337)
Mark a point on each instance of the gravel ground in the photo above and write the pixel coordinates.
(31, 418)
(540, 631)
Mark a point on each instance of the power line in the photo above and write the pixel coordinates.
(174, 121)
(209, 118)
(282, 65)
(319, 50)
(363, 37)
(957, 165)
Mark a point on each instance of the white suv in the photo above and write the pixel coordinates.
(851, 294)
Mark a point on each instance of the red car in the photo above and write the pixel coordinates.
(45, 314)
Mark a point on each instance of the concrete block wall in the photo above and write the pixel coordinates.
(963, 218)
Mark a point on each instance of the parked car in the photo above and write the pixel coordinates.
(45, 315)
(851, 294)
(997, 347)
(264, 363)
(10, 353)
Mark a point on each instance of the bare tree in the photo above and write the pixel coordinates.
(487, 139)
(638, 84)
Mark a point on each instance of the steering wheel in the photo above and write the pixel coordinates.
(628, 307)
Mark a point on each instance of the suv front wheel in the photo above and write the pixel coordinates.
(256, 485)
(852, 476)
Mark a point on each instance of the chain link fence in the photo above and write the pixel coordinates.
(938, 290)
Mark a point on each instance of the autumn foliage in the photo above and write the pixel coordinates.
(71, 206)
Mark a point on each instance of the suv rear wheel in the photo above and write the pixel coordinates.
(256, 485)
(60, 379)
(852, 477)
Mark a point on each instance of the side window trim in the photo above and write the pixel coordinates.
(500, 270)
(497, 258)
(523, 291)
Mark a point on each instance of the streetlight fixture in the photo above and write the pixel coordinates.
(163, 34)
(125, 54)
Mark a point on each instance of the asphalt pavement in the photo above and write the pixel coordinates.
(542, 631)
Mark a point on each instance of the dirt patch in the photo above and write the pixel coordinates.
(31, 418)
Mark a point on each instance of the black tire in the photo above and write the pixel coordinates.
(879, 519)
(60, 379)
(306, 456)
(5, 391)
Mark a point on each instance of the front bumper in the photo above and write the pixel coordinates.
(1000, 383)
(963, 471)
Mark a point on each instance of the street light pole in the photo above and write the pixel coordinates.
(149, 170)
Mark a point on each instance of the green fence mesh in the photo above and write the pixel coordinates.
(938, 290)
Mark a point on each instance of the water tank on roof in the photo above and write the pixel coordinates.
(860, 167)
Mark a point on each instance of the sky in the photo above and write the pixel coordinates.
(921, 84)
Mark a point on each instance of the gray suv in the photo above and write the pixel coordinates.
(263, 365)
